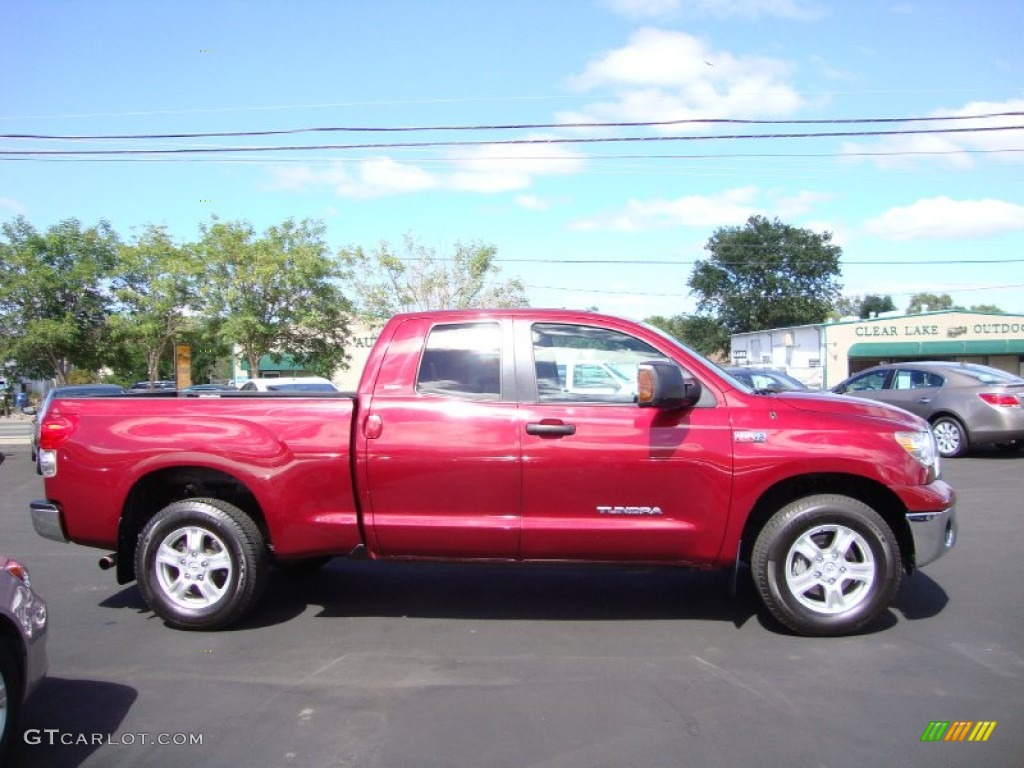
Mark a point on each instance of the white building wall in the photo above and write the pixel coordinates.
(796, 351)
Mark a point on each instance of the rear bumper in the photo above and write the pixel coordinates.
(46, 520)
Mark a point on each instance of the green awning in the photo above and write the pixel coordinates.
(937, 348)
(886, 349)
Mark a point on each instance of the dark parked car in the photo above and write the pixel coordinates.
(149, 386)
(967, 404)
(74, 390)
(765, 379)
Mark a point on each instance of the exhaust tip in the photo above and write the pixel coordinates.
(107, 562)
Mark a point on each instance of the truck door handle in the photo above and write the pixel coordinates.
(550, 429)
(924, 399)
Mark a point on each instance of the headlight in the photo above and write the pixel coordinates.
(920, 445)
(18, 571)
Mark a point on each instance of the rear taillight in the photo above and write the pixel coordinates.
(55, 431)
(1000, 399)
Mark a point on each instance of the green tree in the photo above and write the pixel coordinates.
(703, 334)
(846, 306)
(874, 304)
(276, 293)
(933, 302)
(862, 306)
(54, 296)
(767, 274)
(156, 297)
(386, 282)
(986, 308)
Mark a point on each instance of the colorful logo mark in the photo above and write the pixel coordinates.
(958, 730)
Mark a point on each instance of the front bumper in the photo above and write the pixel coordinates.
(931, 520)
(934, 534)
(46, 520)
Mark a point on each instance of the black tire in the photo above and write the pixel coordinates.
(201, 564)
(10, 696)
(826, 565)
(951, 438)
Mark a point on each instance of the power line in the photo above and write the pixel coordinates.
(669, 262)
(505, 142)
(512, 127)
(682, 295)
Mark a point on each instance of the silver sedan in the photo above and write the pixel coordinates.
(966, 404)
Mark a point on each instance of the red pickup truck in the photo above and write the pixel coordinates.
(465, 442)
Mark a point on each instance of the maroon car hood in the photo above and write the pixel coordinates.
(840, 405)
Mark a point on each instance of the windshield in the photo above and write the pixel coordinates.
(736, 383)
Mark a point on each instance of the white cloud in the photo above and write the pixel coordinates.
(792, 206)
(10, 204)
(749, 9)
(732, 207)
(639, 9)
(729, 208)
(950, 148)
(488, 169)
(533, 203)
(942, 217)
(667, 75)
(373, 177)
(839, 236)
(503, 168)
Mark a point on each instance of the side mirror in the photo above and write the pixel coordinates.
(660, 384)
(29, 410)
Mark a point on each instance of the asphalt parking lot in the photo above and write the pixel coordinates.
(367, 664)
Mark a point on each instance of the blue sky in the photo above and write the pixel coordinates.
(908, 210)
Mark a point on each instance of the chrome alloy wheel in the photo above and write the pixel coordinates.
(830, 569)
(193, 567)
(948, 437)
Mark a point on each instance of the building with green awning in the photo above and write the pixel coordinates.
(825, 354)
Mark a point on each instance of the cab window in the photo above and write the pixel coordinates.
(462, 360)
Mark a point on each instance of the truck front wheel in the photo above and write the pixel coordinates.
(826, 565)
(201, 563)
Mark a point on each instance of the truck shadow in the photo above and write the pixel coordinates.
(920, 597)
(509, 592)
(350, 589)
(63, 719)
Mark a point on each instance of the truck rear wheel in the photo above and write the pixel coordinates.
(201, 563)
(826, 565)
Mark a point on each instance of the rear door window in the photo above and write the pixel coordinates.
(462, 360)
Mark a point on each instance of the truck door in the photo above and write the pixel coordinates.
(441, 444)
(604, 479)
